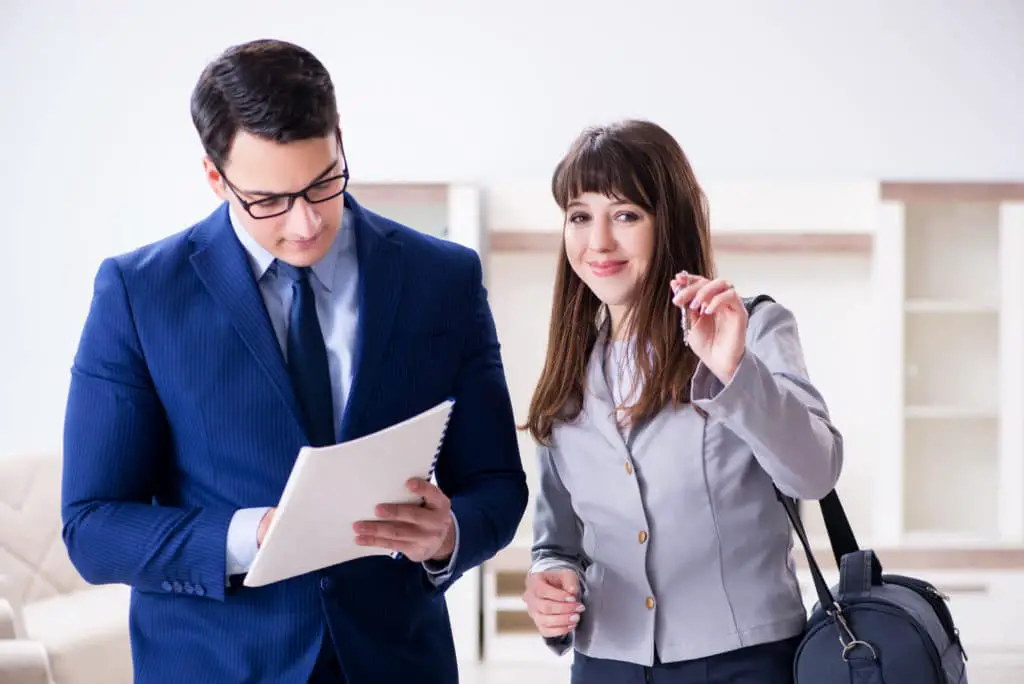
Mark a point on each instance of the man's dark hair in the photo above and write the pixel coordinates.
(269, 88)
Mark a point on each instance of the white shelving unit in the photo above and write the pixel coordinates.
(951, 339)
(451, 211)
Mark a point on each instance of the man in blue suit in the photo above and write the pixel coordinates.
(289, 316)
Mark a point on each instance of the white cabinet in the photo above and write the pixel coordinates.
(951, 343)
(451, 212)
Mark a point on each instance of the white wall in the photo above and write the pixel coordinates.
(99, 154)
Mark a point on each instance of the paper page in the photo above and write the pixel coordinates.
(331, 488)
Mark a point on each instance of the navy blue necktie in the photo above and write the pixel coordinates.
(307, 358)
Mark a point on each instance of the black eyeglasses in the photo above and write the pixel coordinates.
(320, 190)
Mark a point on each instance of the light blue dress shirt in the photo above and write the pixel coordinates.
(335, 286)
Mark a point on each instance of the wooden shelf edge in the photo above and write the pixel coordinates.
(410, 193)
(517, 559)
(746, 243)
(951, 191)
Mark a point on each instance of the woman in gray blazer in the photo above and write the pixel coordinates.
(664, 415)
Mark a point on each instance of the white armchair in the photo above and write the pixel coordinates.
(21, 661)
(54, 627)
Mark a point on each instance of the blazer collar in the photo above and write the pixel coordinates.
(224, 266)
(261, 261)
(598, 401)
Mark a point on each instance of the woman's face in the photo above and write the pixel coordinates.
(609, 243)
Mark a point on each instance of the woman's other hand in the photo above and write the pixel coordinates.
(552, 600)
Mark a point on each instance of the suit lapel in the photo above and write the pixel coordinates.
(221, 264)
(380, 288)
(598, 401)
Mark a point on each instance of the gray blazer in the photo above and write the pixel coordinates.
(676, 532)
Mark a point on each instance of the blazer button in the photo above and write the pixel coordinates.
(649, 602)
(629, 468)
(643, 536)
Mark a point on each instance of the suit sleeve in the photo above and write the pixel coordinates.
(480, 468)
(557, 535)
(117, 446)
(771, 404)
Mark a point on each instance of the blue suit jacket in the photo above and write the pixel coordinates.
(180, 411)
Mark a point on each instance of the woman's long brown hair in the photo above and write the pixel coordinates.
(639, 162)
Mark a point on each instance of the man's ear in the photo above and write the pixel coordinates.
(214, 178)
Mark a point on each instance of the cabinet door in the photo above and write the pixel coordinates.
(464, 607)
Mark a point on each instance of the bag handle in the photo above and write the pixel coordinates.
(837, 524)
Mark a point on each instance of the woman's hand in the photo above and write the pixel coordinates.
(717, 321)
(552, 600)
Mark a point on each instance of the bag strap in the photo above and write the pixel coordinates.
(837, 525)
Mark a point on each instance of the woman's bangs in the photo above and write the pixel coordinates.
(600, 169)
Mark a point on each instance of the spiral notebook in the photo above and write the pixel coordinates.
(331, 488)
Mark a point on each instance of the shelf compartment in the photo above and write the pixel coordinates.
(951, 460)
(951, 363)
(424, 207)
(952, 252)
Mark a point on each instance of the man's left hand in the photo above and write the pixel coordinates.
(419, 532)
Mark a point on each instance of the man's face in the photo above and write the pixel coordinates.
(258, 170)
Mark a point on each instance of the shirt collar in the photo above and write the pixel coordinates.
(261, 261)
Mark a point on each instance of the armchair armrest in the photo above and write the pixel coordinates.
(23, 662)
(7, 623)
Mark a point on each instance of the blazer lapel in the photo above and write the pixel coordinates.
(221, 264)
(598, 401)
(380, 289)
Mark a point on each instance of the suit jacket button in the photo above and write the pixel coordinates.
(166, 586)
(325, 583)
(629, 468)
(642, 536)
(649, 602)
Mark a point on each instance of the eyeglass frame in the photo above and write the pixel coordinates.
(292, 196)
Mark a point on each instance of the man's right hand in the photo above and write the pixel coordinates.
(552, 600)
(261, 532)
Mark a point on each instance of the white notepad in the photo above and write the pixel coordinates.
(331, 488)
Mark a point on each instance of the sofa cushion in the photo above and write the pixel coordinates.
(85, 634)
(32, 553)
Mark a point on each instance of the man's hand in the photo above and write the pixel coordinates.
(419, 532)
(261, 532)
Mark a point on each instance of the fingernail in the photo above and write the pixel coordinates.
(704, 310)
(570, 598)
(580, 608)
(574, 618)
(695, 305)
